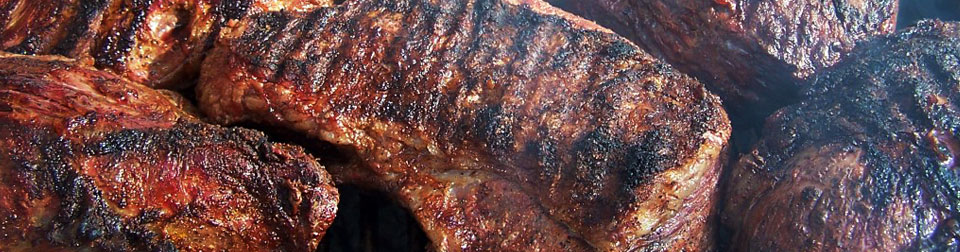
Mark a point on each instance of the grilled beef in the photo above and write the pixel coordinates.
(750, 52)
(867, 162)
(501, 124)
(91, 161)
(156, 42)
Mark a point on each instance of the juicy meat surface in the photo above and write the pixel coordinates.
(752, 53)
(159, 43)
(91, 161)
(867, 162)
(501, 124)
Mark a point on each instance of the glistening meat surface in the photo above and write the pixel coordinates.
(90, 161)
(501, 124)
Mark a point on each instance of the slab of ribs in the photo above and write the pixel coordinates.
(868, 163)
(500, 125)
(92, 161)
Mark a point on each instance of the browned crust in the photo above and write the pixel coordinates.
(606, 139)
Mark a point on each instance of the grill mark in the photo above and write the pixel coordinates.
(341, 65)
(298, 45)
(436, 15)
(455, 58)
(280, 44)
(320, 71)
(121, 39)
(80, 26)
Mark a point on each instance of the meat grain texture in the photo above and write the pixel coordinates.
(90, 161)
(501, 124)
(159, 43)
(753, 53)
(867, 162)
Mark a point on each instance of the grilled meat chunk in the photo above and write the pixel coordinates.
(501, 124)
(752, 53)
(868, 162)
(89, 160)
(156, 42)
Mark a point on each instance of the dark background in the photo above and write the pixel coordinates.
(371, 221)
(912, 11)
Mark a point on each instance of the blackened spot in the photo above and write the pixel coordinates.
(562, 58)
(495, 127)
(124, 140)
(644, 160)
(594, 155)
(119, 43)
(528, 22)
(884, 177)
(545, 154)
(232, 9)
(620, 50)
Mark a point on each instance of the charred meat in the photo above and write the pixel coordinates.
(156, 42)
(867, 162)
(501, 124)
(89, 160)
(753, 53)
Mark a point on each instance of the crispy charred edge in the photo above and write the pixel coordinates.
(85, 217)
(693, 228)
(873, 101)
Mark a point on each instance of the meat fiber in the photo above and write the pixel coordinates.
(752, 53)
(867, 162)
(90, 161)
(501, 124)
(159, 43)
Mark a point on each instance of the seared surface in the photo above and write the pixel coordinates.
(156, 42)
(502, 124)
(91, 161)
(750, 52)
(867, 162)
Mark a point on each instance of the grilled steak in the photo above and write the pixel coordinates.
(156, 42)
(501, 124)
(868, 162)
(750, 52)
(91, 161)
